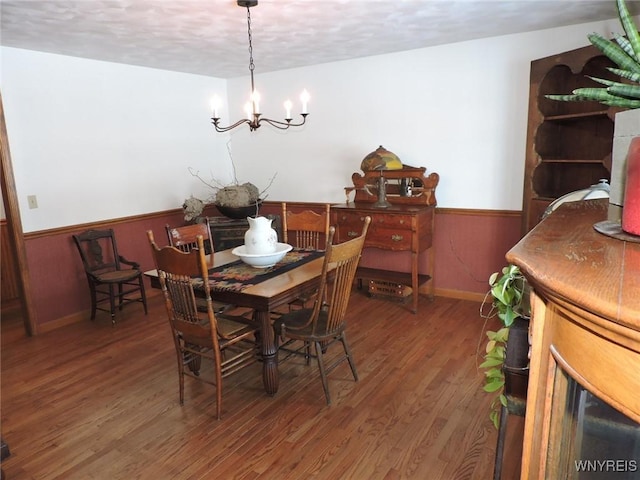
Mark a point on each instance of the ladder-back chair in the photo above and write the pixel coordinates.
(325, 323)
(229, 344)
(184, 238)
(306, 229)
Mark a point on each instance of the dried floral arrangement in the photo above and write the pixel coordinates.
(226, 195)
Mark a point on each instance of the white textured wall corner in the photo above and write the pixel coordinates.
(99, 140)
(627, 126)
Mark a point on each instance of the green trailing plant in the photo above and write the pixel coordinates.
(508, 302)
(625, 53)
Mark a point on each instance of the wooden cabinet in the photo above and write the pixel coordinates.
(229, 233)
(569, 144)
(583, 407)
(405, 225)
(396, 228)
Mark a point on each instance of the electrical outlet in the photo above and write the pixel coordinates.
(33, 201)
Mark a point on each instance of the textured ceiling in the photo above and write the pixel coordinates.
(209, 37)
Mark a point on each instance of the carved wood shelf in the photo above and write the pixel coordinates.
(422, 188)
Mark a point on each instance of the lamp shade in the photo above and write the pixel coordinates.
(381, 159)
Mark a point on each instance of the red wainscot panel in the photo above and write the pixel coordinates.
(469, 246)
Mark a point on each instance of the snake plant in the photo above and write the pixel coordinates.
(625, 53)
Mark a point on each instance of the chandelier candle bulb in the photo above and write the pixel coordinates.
(255, 99)
(304, 97)
(287, 107)
(215, 104)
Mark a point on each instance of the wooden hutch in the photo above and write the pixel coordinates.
(406, 225)
(569, 144)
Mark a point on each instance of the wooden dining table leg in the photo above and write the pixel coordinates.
(270, 376)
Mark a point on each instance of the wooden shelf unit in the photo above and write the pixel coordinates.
(569, 144)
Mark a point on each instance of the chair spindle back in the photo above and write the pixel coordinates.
(306, 229)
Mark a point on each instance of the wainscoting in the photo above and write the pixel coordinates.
(469, 246)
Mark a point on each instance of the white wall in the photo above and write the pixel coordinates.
(96, 140)
(458, 109)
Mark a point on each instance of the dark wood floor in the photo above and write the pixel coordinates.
(92, 401)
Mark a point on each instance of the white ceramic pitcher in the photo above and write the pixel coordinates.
(260, 238)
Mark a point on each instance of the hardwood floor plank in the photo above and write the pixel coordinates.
(94, 401)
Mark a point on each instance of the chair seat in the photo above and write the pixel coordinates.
(117, 276)
(295, 320)
(233, 326)
(227, 327)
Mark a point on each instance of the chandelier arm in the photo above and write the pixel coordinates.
(284, 125)
(220, 129)
(275, 123)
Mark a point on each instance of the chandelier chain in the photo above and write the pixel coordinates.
(254, 118)
(251, 64)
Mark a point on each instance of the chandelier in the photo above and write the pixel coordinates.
(252, 108)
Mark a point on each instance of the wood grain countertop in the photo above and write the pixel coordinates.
(566, 258)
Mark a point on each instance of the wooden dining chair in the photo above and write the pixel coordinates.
(325, 323)
(184, 238)
(111, 276)
(229, 344)
(307, 230)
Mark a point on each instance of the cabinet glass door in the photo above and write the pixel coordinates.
(589, 439)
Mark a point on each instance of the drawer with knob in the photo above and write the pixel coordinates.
(384, 220)
(379, 235)
(389, 238)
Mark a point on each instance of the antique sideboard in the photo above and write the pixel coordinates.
(405, 225)
(583, 401)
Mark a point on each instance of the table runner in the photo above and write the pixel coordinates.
(237, 276)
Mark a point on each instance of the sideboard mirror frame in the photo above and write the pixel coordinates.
(407, 186)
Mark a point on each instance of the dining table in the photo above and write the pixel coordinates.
(263, 290)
